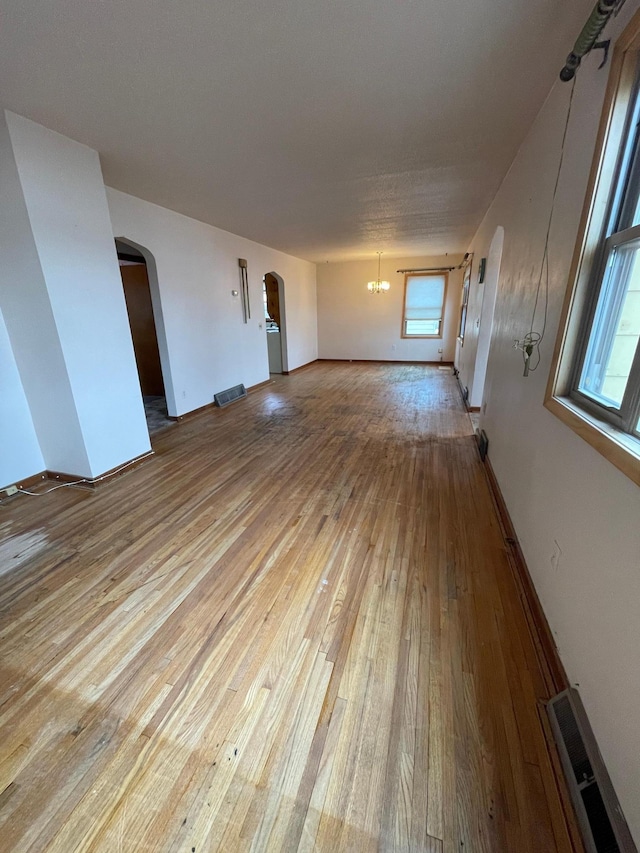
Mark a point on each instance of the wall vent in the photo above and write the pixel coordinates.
(483, 443)
(230, 395)
(604, 829)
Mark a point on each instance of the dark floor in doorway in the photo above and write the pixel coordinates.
(155, 408)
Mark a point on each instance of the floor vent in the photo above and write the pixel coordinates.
(603, 826)
(483, 443)
(230, 395)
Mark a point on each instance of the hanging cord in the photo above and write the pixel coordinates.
(533, 340)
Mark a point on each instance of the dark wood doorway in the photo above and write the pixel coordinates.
(143, 328)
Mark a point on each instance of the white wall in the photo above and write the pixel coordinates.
(208, 346)
(557, 487)
(353, 323)
(68, 342)
(21, 455)
(65, 201)
(32, 333)
(483, 328)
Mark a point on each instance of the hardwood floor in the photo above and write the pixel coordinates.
(294, 629)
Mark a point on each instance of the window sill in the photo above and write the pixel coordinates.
(421, 337)
(620, 449)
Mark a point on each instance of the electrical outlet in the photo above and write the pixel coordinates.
(10, 490)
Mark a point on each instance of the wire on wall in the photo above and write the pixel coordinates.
(532, 341)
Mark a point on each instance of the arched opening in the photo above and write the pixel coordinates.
(276, 324)
(142, 297)
(487, 313)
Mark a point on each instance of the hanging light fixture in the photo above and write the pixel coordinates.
(378, 286)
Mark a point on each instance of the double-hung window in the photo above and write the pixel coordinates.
(594, 384)
(424, 295)
(607, 372)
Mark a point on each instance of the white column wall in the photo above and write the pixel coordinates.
(34, 338)
(20, 454)
(64, 195)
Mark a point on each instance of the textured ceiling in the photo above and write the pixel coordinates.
(325, 128)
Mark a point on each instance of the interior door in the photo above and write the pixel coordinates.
(143, 328)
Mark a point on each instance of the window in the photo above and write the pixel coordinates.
(424, 305)
(594, 385)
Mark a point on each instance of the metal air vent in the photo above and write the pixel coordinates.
(230, 395)
(604, 829)
(483, 443)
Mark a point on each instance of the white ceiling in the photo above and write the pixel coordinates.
(325, 128)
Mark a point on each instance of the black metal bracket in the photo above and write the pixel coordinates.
(603, 46)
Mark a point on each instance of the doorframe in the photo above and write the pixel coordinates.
(283, 320)
(158, 319)
(487, 317)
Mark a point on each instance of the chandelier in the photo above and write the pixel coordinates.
(378, 286)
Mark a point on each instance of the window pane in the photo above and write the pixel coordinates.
(616, 328)
(422, 327)
(424, 297)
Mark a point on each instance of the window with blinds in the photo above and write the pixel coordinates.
(424, 305)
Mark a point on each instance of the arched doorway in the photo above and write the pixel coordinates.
(275, 315)
(138, 273)
(487, 313)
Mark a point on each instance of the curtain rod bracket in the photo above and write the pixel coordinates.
(588, 38)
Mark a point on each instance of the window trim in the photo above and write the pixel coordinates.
(443, 274)
(626, 415)
(620, 448)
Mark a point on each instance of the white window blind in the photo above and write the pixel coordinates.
(425, 295)
(423, 304)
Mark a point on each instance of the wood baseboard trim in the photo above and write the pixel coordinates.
(61, 477)
(302, 367)
(193, 413)
(64, 477)
(546, 650)
(96, 482)
(202, 409)
(30, 481)
(26, 483)
(553, 671)
(465, 402)
(121, 469)
(382, 361)
(260, 385)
